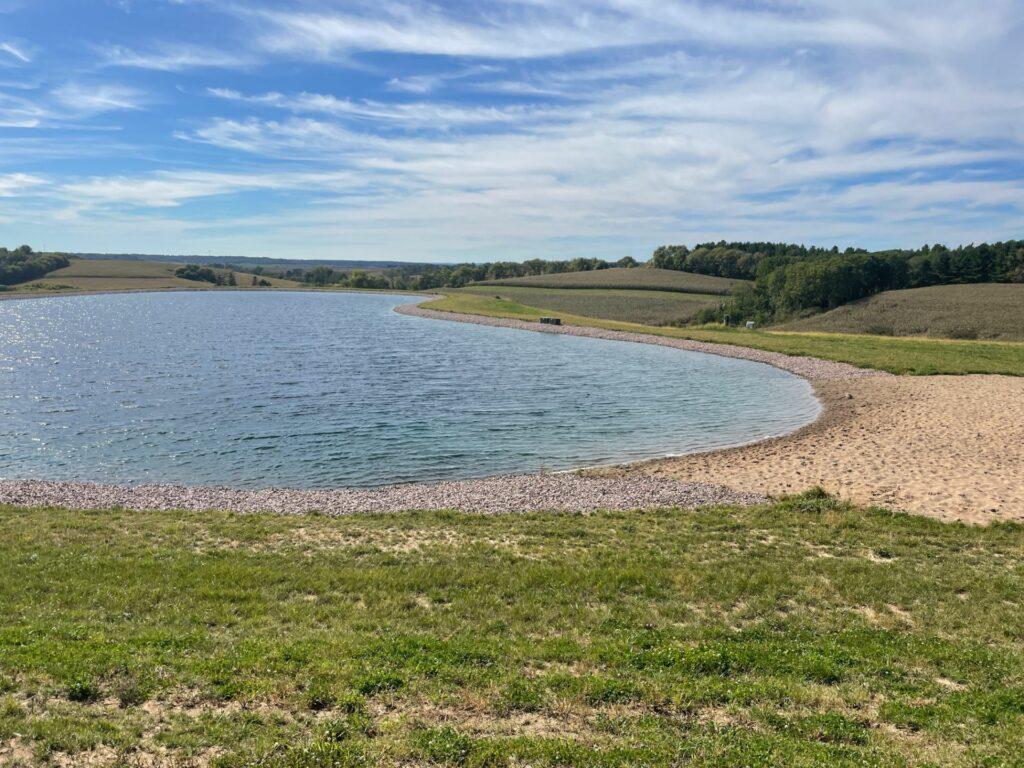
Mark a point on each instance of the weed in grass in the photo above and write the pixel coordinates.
(445, 746)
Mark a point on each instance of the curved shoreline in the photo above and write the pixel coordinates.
(558, 492)
(810, 368)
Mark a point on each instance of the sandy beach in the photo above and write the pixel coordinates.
(950, 447)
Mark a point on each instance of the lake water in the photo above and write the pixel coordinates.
(318, 390)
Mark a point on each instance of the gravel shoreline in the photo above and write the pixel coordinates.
(558, 492)
(563, 492)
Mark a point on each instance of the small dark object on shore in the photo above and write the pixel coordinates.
(551, 320)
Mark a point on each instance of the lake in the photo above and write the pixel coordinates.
(312, 390)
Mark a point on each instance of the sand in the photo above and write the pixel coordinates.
(949, 447)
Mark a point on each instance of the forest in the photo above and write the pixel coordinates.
(23, 264)
(793, 280)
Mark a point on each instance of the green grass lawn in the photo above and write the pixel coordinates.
(804, 633)
(919, 356)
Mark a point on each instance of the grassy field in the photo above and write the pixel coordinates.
(648, 307)
(985, 311)
(637, 279)
(805, 633)
(124, 275)
(906, 356)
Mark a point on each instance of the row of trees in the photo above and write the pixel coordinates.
(792, 280)
(207, 275)
(23, 264)
(421, 277)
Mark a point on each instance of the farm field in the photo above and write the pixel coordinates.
(638, 279)
(917, 356)
(641, 306)
(124, 275)
(801, 633)
(981, 311)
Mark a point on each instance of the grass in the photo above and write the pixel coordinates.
(647, 307)
(916, 356)
(984, 311)
(802, 633)
(637, 279)
(124, 275)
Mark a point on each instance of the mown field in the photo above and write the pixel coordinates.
(915, 356)
(125, 275)
(984, 311)
(806, 633)
(648, 307)
(637, 279)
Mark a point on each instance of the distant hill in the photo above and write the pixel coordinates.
(126, 275)
(636, 279)
(245, 261)
(973, 311)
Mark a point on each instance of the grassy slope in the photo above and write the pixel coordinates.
(648, 307)
(640, 278)
(987, 311)
(910, 356)
(805, 633)
(124, 275)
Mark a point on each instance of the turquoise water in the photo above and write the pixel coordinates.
(318, 390)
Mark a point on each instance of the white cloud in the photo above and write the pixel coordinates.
(12, 184)
(416, 114)
(175, 58)
(531, 29)
(93, 99)
(18, 53)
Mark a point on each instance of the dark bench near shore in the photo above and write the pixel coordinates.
(551, 320)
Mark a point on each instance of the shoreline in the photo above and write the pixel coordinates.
(570, 490)
(947, 447)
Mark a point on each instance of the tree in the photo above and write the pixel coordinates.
(231, 279)
(627, 262)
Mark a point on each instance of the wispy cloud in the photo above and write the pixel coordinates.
(175, 58)
(12, 50)
(94, 99)
(418, 114)
(12, 184)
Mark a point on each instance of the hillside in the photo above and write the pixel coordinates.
(630, 306)
(637, 279)
(124, 275)
(977, 311)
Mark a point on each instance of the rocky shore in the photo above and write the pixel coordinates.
(562, 492)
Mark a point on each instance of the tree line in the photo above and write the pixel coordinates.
(422, 277)
(790, 280)
(23, 264)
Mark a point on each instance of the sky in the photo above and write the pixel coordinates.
(475, 130)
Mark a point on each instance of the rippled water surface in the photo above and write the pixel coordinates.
(319, 390)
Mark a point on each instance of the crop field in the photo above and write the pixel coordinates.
(916, 356)
(124, 275)
(983, 311)
(636, 279)
(804, 633)
(647, 307)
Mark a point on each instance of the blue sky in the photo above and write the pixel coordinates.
(455, 131)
